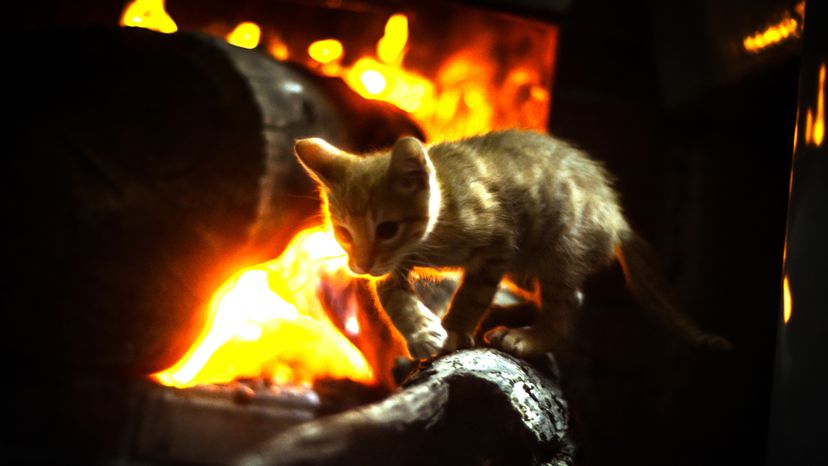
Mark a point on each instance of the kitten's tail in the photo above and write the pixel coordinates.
(649, 285)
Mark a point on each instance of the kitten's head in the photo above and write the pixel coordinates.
(380, 206)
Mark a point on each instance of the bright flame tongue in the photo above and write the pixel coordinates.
(267, 321)
(148, 14)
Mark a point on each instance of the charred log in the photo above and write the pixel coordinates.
(470, 407)
(143, 170)
(150, 167)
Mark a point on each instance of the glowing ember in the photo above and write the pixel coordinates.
(391, 46)
(148, 14)
(819, 122)
(267, 321)
(786, 28)
(246, 35)
(815, 119)
(326, 51)
(278, 49)
(375, 80)
(787, 303)
(498, 76)
(372, 81)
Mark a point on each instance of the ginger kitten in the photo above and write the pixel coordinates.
(514, 204)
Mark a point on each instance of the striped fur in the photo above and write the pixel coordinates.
(514, 204)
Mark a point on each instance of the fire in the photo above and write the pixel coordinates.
(491, 80)
(148, 14)
(786, 28)
(326, 51)
(485, 72)
(278, 49)
(787, 303)
(246, 35)
(818, 133)
(266, 321)
(391, 46)
(466, 95)
(815, 119)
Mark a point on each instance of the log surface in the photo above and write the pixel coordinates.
(148, 169)
(470, 407)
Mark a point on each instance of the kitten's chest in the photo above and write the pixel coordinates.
(442, 255)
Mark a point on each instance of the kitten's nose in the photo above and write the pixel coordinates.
(361, 268)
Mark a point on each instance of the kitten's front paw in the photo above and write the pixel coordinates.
(426, 343)
(457, 340)
(429, 338)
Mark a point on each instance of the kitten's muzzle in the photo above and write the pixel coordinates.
(374, 271)
(360, 269)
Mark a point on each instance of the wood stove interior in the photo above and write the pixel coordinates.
(699, 137)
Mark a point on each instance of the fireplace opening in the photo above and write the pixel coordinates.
(178, 302)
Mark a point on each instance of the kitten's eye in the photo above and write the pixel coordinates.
(342, 234)
(387, 230)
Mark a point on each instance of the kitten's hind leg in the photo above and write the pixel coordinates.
(549, 333)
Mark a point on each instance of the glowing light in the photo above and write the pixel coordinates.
(375, 80)
(267, 321)
(391, 46)
(246, 35)
(787, 27)
(326, 51)
(787, 303)
(372, 81)
(278, 49)
(148, 14)
(815, 119)
(471, 90)
(819, 122)
(809, 126)
(352, 325)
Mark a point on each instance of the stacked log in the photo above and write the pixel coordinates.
(144, 169)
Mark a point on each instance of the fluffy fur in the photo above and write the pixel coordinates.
(514, 204)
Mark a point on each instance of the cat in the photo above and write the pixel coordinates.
(516, 204)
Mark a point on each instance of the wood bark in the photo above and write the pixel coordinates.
(147, 168)
(472, 407)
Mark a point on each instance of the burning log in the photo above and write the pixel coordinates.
(144, 170)
(476, 406)
(150, 168)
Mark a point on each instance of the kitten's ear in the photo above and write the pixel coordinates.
(323, 162)
(410, 166)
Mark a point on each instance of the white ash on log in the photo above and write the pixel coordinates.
(472, 407)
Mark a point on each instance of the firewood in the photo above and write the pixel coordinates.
(147, 169)
(478, 406)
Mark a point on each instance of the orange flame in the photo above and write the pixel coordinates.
(391, 46)
(818, 133)
(266, 321)
(462, 98)
(326, 50)
(148, 14)
(815, 119)
(787, 302)
(469, 91)
(786, 28)
(278, 49)
(246, 35)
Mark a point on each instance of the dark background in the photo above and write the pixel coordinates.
(701, 147)
(702, 157)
